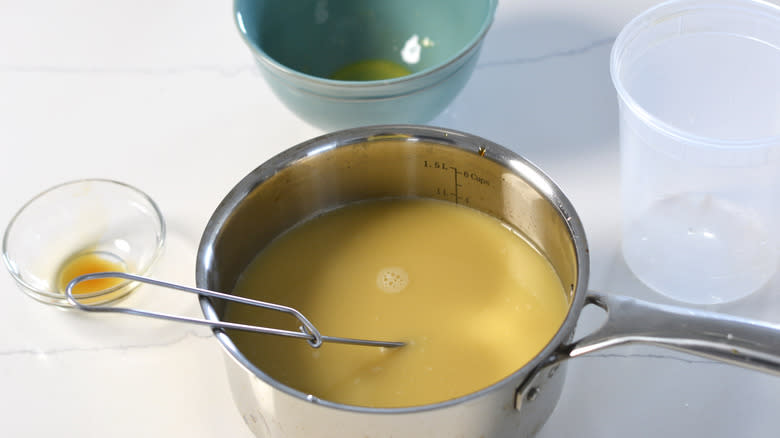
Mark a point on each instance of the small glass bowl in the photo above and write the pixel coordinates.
(88, 219)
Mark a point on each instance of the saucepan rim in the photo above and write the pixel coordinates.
(532, 174)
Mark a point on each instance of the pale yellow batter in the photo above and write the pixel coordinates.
(472, 299)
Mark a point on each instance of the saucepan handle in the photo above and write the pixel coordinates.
(738, 341)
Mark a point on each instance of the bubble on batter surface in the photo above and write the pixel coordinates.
(392, 279)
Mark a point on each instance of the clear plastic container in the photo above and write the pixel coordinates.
(699, 93)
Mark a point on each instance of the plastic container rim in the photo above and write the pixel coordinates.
(661, 12)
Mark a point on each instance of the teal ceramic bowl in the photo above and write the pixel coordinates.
(347, 63)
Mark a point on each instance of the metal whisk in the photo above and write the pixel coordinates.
(307, 330)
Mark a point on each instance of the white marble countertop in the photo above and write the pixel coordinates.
(163, 95)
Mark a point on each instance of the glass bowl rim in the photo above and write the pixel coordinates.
(12, 266)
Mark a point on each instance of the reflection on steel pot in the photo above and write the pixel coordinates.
(389, 161)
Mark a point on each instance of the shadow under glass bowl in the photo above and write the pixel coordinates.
(79, 227)
(301, 45)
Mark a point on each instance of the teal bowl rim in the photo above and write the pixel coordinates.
(282, 70)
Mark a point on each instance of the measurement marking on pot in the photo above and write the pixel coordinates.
(457, 198)
(460, 177)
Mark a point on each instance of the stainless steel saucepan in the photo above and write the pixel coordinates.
(414, 161)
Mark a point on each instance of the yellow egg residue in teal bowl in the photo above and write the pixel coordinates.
(370, 70)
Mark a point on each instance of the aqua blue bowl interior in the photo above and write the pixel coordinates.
(300, 44)
(317, 37)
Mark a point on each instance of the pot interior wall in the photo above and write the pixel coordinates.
(305, 182)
